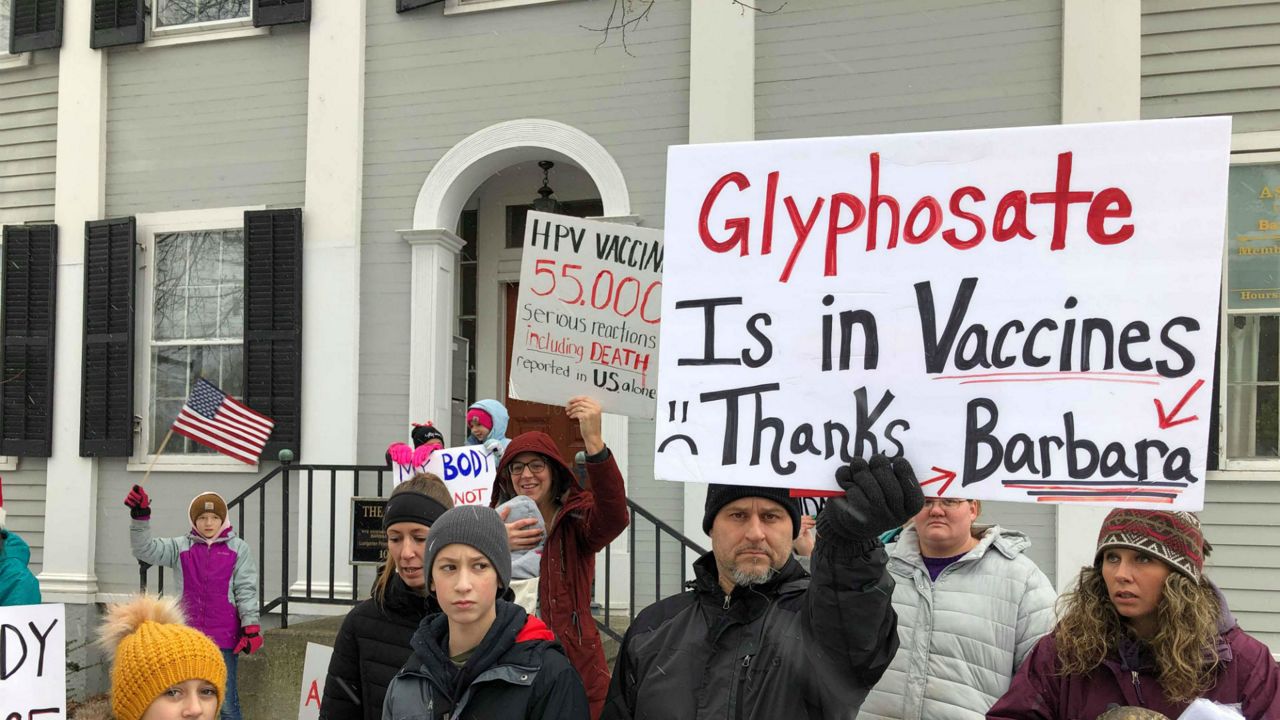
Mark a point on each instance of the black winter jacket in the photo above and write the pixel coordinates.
(371, 647)
(794, 648)
(517, 671)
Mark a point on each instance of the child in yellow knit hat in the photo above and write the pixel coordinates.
(161, 669)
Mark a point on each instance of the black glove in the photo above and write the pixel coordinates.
(877, 497)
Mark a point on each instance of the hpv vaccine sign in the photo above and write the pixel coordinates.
(468, 472)
(33, 662)
(588, 313)
(1026, 314)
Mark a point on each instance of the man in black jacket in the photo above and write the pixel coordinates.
(758, 638)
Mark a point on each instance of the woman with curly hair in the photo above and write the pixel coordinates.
(1143, 627)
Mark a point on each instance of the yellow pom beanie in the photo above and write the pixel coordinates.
(154, 651)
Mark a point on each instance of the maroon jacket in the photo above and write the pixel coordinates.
(588, 521)
(1248, 677)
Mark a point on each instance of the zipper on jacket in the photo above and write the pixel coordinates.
(576, 625)
(742, 685)
(1137, 687)
(726, 603)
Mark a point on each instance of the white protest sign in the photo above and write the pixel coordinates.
(33, 662)
(588, 312)
(315, 667)
(1027, 313)
(468, 472)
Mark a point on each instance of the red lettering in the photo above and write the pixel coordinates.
(770, 199)
(979, 228)
(1017, 202)
(739, 226)
(313, 694)
(930, 203)
(876, 201)
(1110, 203)
(835, 229)
(1061, 199)
(802, 228)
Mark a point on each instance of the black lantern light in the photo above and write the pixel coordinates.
(544, 202)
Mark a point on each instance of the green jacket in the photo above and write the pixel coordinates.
(17, 585)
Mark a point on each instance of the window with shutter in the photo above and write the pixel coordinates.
(273, 323)
(281, 12)
(29, 289)
(106, 396)
(35, 25)
(118, 22)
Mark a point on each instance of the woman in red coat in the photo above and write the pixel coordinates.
(1144, 628)
(580, 523)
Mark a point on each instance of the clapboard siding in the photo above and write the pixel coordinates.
(431, 81)
(1202, 58)
(28, 142)
(206, 125)
(1240, 522)
(826, 67)
(28, 138)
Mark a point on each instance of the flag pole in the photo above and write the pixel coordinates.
(156, 457)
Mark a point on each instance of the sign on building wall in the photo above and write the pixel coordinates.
(368, 539)
(588, 312)
(33, 662)
(1253, 237)
(1026, 314)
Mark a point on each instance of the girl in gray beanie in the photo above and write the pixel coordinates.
(482, 657)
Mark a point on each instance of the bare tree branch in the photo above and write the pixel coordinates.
(622, 15)
(748, 6)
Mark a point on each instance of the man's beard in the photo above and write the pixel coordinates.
(747, 578)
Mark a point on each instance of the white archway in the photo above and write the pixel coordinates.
(469, 163)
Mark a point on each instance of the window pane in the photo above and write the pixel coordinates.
(174, 370)
(170, 301)
(182, 12)
(202, 312)
(231, 312)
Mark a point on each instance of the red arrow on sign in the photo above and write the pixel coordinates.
(944, 476)
(1166, 420)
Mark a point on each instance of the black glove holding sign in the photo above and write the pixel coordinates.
(877, 497)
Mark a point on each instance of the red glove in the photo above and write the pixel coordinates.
(138, 503)
(250, 640)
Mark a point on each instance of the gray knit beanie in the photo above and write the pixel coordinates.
(477, 526)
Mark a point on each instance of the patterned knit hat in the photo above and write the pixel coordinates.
(1174, 537)
(154, 651)
(1129, 712)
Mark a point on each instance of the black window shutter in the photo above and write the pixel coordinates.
(106, 395)
(273, 323)
(282, 12)
(35, 25)
(118, 22)
(406, 5)
(29, 292)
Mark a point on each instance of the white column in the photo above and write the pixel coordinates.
(434, 278)
(722, 108)
(71, 485)
(1101, 81)
(331, 263)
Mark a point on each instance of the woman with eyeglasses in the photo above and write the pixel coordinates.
(579, 524)
(971, 606)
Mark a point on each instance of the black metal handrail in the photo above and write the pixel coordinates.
(329, 595)
(660, 529)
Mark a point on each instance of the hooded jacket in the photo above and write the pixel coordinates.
(217, 579)
(588, 521)
(1248, 678)
(517, 671)
(371, 647)
(793, 648)
(17, 585)
(500, 420)
(963, 636)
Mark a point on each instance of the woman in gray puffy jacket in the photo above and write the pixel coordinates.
(970, 607)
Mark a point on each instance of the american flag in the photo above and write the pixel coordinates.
(217, 421)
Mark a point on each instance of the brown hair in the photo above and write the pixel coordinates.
(424, 484)
(1185, 646)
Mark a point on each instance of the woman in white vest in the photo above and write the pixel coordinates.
(970, 607)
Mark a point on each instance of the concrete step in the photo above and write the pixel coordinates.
(270, 680)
